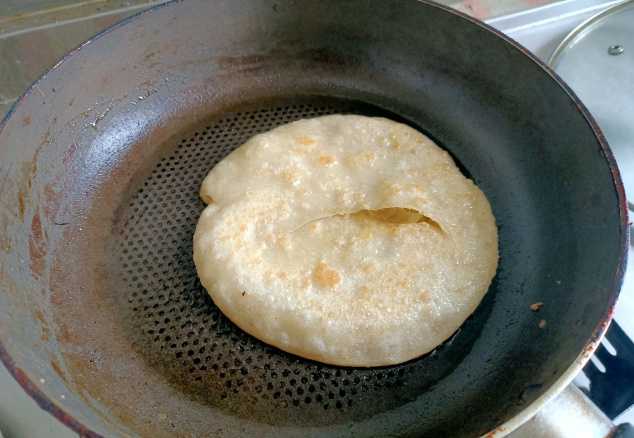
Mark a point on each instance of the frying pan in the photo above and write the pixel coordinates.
(102, 318)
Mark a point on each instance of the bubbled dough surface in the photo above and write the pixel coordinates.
(291, 248)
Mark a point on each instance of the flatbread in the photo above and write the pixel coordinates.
(345, 239)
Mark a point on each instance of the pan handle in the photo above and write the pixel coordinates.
(571, 414)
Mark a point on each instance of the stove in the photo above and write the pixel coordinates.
(540, 28)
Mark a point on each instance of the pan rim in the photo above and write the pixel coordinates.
(47, 404)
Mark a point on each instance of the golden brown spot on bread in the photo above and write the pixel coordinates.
(283, 242)
(305, 140)
(243, 227)
(361, 159)
(305, 282)
(364, 292)
(324, 276)
(394, 142)
(282, 275)
(425, 296)
(289, 175)
(207, 199)
(326, 160)
(367, 268)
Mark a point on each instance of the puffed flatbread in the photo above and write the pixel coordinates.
(345, 239)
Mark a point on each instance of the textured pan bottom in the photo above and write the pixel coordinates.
(175, 325)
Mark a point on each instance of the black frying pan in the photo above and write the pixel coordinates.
(102, 318)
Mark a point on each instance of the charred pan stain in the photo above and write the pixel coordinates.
(21, 204)
(65, 335)
(58, 369)
(32, 167)
(243, 64)
(600, 330)
(495, 432)
(327, 56)
(52, 191)
(239, 61)
(29, 170)
(46, 139)
(37, 314)
(46, 333)
(51, 196)
(58, 299)
(37, 245)
(5, 245)
(256, 62)
(149, 55)
(26, 120)
(5, 241)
